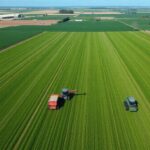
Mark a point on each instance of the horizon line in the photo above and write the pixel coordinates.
(80, 6)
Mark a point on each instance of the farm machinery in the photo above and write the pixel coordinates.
(57, 100)
(67, 94)
(131, 104)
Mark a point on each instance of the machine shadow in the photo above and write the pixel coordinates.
(61, 102)
(71, 95)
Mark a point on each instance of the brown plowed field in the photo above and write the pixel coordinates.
(27, 22)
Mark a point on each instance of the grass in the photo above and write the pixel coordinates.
(142, 24)
(91, 26)
(138, 20)
(13, 35)
(106, 66)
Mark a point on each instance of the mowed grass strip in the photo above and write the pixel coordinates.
(137, 64)
(103, 67)
(24, 72)
(119, 84)
(29, 81)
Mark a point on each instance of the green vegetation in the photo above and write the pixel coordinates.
(143, 24)
(13, 35)
(106, 66)
(88, 26)
(66, 11)
(137, 20)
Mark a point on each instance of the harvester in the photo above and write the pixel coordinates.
(56, 100)
(131, 104)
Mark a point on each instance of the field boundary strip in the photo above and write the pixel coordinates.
(21, 42)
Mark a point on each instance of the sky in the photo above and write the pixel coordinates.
(51, 3)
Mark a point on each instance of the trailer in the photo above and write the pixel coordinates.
(53, 101)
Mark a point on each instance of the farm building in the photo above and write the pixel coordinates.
(103, 18)
(10, 16)
(78, 20)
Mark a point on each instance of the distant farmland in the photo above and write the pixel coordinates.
(91, 26)
(107, 66)
(13, 35)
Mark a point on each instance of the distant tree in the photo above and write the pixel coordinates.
(45, 14)
(21, 16)
(65, 11)
(98, 18)
(64, 19)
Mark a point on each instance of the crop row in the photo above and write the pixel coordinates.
(106, 67)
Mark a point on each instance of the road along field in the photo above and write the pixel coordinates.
(107, 66)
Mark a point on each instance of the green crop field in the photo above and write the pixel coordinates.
(106, 66)
(13, 35)
(88, 26)
(143, 24)
(138, 20)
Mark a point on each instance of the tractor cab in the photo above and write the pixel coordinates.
(65, 93)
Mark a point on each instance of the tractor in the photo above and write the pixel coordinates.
(131, 104)
(56, 101)
(67, 94)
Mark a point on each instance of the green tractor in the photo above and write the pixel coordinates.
(131, 104)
